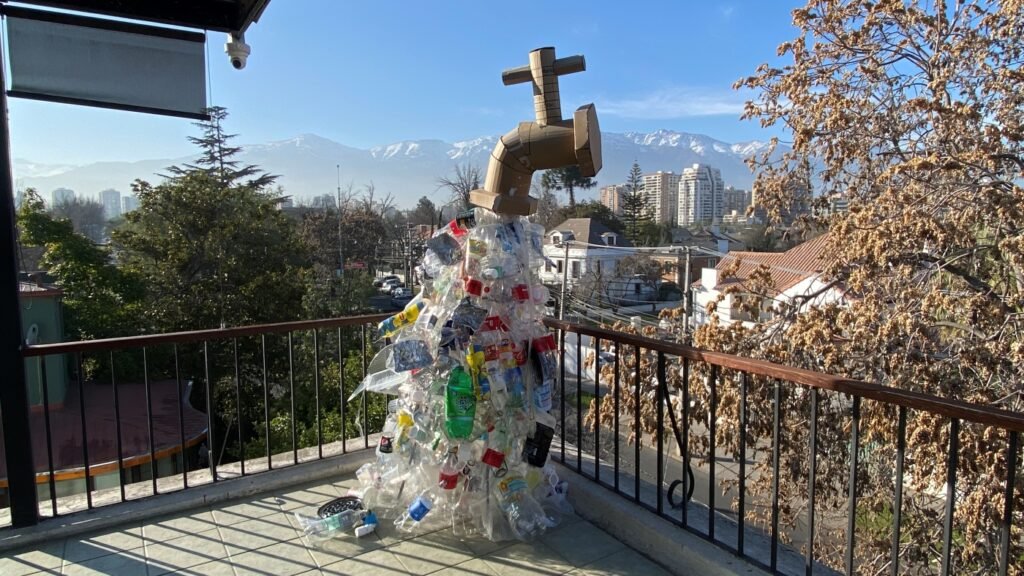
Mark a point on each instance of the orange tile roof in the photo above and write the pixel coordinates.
(787, 268)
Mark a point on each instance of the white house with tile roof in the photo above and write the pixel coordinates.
(795, 275)
(581, 245)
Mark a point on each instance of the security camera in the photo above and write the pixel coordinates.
(237, 50)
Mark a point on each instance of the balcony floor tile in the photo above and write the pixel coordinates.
(259, 535)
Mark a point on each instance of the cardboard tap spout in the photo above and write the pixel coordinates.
(547, 142)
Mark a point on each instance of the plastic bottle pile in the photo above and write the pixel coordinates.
(466, 441)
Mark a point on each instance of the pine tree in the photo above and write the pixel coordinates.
(634, 209)
(569, 179)
(217, 157)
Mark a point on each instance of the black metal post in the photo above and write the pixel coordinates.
(14, 412)
(851, 505)
(897, 505)
(953, 460)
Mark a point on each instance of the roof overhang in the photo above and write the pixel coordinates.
(216, 15)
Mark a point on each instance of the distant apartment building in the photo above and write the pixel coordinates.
(111, 200)
(661, 196)
(62, 195)
(838, 204)
(128, 203)
(701, 192)
(611, 197)
(735, 200)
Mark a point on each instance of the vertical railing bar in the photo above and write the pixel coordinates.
(238, 409)
(1011, 479)
(953, 461)
(660, 428)
(366, 422)
(341, 389)
(291, 394)
(712, 425)
(684, 449)
(638, 430)
(181, 419)
(117, 428)
(851, 505)
(597, 410)
(897, 512)
(579, 403)
(811, 477)
(741, 520)
(316, 393)
(615, 399)
(266, 402)
(85, 434)
(561, 365)
(776, 438)
(49, 439)
(209, 411)
(149, 418)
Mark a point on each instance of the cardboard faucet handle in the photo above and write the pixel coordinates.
(587, 136)
(562, 66)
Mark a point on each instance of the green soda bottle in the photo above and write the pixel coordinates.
(459, 404)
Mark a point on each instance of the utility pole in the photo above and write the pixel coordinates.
(408, 257)
(687, 297)
(341, 253)
(565, 278)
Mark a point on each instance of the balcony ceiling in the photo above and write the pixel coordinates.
(215, 15)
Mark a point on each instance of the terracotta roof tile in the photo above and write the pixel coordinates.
(787, 268)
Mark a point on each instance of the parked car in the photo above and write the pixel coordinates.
(395, 286)
(388, 285)
(379, 282)
(400, 297)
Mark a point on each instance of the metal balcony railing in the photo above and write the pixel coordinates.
(143, 388)
(127, 417)
(585, 448)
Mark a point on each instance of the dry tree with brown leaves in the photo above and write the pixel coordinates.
(913, 111)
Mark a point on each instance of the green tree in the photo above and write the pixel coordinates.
(211, 255)
(210, 243)
(217, 156)
(100, 300)
(85, 215)
(634, 208)
(567, 178)
(424, 213)
(591, 209)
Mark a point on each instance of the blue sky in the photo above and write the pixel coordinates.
(370, 73)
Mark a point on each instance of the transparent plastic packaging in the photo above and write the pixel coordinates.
(465, 443)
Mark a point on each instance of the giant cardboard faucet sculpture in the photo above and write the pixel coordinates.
(549, 142)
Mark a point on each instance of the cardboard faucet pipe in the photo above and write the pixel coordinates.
(547, 142)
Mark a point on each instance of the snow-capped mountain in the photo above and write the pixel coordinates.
(409, 169)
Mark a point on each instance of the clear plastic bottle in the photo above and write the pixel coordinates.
(319, 529)
(525, 516)
(414, 515)
(448, 478)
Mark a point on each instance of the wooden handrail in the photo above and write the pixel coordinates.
(195, 335)
(967, 411)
